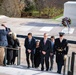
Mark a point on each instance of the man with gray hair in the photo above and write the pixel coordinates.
(45, 47)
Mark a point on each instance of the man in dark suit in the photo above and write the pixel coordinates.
(61, 50)
(45, 47)
(30, 46)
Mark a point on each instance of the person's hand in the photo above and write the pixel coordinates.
(43, 52)
(19, 48)
(29, 51)
(65, 57)
(3, 25)
(51, 54)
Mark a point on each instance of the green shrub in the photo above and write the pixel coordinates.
(30, 8)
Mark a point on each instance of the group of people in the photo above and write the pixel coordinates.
(12, 48)
(12, 45)
(41, 51)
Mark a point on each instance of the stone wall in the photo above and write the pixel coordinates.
(11, 8)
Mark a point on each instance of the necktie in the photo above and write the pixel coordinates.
(44, 42)
(29, 41)
(52, 44)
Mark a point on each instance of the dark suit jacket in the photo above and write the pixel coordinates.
(31, 45)
(46, 47)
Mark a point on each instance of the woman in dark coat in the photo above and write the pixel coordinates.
(37, 57)
(16, 45)
(9, 50)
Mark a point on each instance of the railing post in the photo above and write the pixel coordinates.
(68, 71)
(64, 70)
(72, 63)
(5, 58)
(19, 56)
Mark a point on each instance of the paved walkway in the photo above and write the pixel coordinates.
(3, 74)
(18, 71)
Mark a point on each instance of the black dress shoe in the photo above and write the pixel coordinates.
(58, 72)
(47, 69)
(32, 66)
(8, 63)
(28, 67)
(51, 68)
(42, 69)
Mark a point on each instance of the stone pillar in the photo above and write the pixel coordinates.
(1, 55)
(70, 11)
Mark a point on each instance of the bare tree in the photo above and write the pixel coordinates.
(39, 5)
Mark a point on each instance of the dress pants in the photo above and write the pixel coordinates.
(59, 67)
(9, 56)
(44, 58)
(2, 52)
(31, 56)
(51, 61)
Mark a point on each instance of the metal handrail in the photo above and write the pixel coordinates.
(19, 54)
(71, 63)
(68, 68)
(10, 48)
(64, 70)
